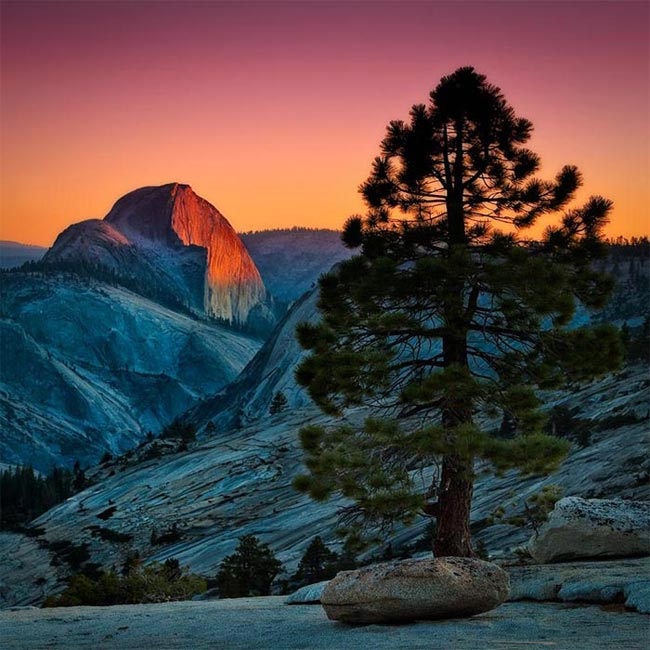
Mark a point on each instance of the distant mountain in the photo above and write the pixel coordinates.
(124, 324)
(291, 260)
(14, 254)
(169, 239)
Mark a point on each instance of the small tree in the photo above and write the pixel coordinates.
(448, 313)
(278, 403)
(249, 571)
(318, 563)
(132, 563)
(80, 481)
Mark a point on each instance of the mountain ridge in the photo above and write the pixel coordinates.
(171, 232)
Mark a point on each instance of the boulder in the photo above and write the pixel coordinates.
(308, 595)
(588, 528)
(408, 590)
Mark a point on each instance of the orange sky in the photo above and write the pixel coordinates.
(273, 111)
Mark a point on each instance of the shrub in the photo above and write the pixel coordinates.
(109, 535)
(564, 423)
(249, 571)
(155, 583)
(108, 513)
(533, 512)
(152, 452)
(74, 555)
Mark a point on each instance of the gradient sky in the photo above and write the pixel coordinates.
(273, 111)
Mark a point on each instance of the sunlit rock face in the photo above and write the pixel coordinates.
(170, 234)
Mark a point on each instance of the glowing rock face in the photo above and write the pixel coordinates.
(233, 284)
(165, 226)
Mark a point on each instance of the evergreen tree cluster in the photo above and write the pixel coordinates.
(317, 564)
(629, 263)
(25, 494)
(252, 568)
(180, 430)
(148, 286)
(636, 341)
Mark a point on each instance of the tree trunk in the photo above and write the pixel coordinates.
(457, 478)
(454, 503)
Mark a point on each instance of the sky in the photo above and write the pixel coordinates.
(273, 111)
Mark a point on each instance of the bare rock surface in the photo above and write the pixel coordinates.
(587, 528)
(307, 594)
(411, 590)
(266, 623)
(607, 581)
(20, 583)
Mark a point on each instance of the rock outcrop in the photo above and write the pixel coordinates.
(604, 582)
(410, 590)
(168, 236)
(588, 528)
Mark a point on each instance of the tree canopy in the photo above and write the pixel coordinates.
(450, 315)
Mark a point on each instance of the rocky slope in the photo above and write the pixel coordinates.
(239, 481)
(88, 367)
(115, 332)
(169, 235)
(248, 398)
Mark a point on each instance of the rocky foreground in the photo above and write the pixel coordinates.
(579, 605)
(260, 623)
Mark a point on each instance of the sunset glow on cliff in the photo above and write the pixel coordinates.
(274, 111)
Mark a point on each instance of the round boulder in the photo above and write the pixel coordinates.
(410, 590)
(592, 528)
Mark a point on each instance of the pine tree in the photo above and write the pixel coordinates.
(278, 403)
(449, 313)
(249, 571)
(318, 563)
